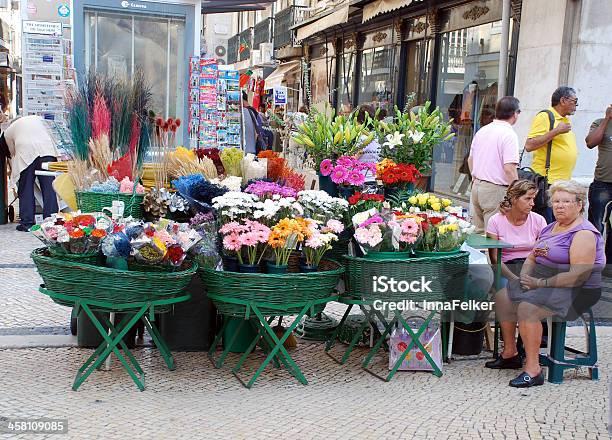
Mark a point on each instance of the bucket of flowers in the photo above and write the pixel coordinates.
(348, 173)
(443, 234)
(386, 234)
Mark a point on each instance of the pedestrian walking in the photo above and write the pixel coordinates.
(493, 160)
(553, 127)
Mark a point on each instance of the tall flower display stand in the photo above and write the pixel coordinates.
(138, 295)
(447, 275)
(258, 299)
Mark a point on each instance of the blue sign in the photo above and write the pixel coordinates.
(47, 59)
(63, 10)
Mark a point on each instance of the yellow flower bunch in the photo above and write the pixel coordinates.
(184, 153)
(429, 201)
(443, 229)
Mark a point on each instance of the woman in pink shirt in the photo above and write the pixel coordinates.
(517, 225)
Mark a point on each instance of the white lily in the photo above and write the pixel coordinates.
(393, 140)
(416, 136)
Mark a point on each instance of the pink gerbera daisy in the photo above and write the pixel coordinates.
(410, 227)
(249, 239)
(346, 161)
(356, 178)
(339, 174)
(326, 167)
(232, 242)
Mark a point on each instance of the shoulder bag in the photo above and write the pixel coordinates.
(541, 200)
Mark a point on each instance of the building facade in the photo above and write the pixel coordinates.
(449, 52)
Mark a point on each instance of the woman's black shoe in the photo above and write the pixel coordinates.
(513, 363)
(524, 380)
(23, 228)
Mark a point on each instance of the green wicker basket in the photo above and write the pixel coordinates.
(95, 257)
(282, 291)
(447, 275)
(84, 281)
(88, 201)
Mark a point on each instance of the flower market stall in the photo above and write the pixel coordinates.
(269, 253)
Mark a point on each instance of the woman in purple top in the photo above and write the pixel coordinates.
(561, 277)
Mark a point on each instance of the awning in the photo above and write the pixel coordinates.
(276, 78)
(222, 6)
(339, 16)
(378, 7)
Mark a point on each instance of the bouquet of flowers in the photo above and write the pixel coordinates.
(264, 189)
(425, 201)
(286, 235)
(212, 154)
(410, 138)
(232, 159)
(443, 234)
(385, 231)
(72, 234)
(164, 243)
(396, 174)
(234, 205)
(320, 206)
(245, 239)
(321, 241)
(205, 251)
(198, 191)
(348, 171)
(271, 210)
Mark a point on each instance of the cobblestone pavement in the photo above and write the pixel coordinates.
(199, 401)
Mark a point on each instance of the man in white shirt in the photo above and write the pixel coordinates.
(28, 144)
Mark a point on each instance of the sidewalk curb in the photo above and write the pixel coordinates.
(37, 341)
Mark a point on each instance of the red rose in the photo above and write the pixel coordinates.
(425, 226)
(177, 122)
(170, 121)
(402, 346)
(159, 121)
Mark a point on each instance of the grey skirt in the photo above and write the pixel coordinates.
(565, 302)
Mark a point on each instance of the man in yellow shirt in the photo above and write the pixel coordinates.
(564, 151)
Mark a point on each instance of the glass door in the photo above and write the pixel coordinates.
(466, 92)
(117, 44)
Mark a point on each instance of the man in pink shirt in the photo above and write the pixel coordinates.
(494, 156)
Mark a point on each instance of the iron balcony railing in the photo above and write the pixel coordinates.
(283, 36)
(232, 49)
(262, 32)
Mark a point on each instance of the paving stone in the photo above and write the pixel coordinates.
(341, 401)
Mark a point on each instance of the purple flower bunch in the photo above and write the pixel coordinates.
(347, 170)
(264, 189)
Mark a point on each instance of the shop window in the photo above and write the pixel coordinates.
(346, 82)
(466, 92)
(417, 72)
(377, 73)
(117, 44)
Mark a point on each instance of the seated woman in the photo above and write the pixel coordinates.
(561, 277)
(517, 225)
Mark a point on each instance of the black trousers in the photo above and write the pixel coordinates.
(25, 191)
